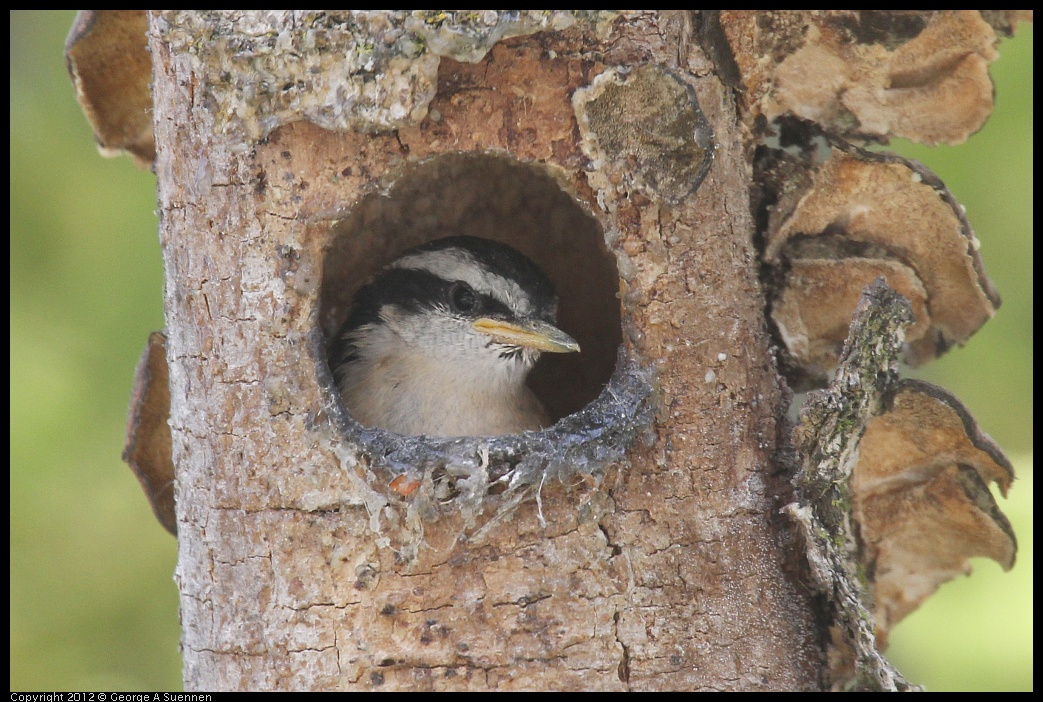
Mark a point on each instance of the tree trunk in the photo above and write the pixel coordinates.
(301, 566)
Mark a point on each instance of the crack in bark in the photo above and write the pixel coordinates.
(524, 601)
(623, 669)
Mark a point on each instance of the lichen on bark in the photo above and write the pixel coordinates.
(358, 70)
(832, 423)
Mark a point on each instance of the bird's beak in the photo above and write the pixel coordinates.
(535, 334)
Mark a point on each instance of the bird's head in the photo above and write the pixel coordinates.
(460, 312)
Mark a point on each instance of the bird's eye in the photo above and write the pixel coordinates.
(463, 297)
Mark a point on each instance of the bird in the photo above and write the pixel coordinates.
(440, 342)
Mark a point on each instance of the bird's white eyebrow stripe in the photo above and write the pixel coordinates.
(459, 264)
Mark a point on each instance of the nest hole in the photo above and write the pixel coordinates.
(492, 197)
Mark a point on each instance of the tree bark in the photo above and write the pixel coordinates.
(675, 572)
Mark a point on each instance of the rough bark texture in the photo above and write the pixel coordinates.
(673, 578)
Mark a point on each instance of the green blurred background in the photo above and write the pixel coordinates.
(93, 602)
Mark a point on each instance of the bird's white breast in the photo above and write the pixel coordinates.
(411, 390)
